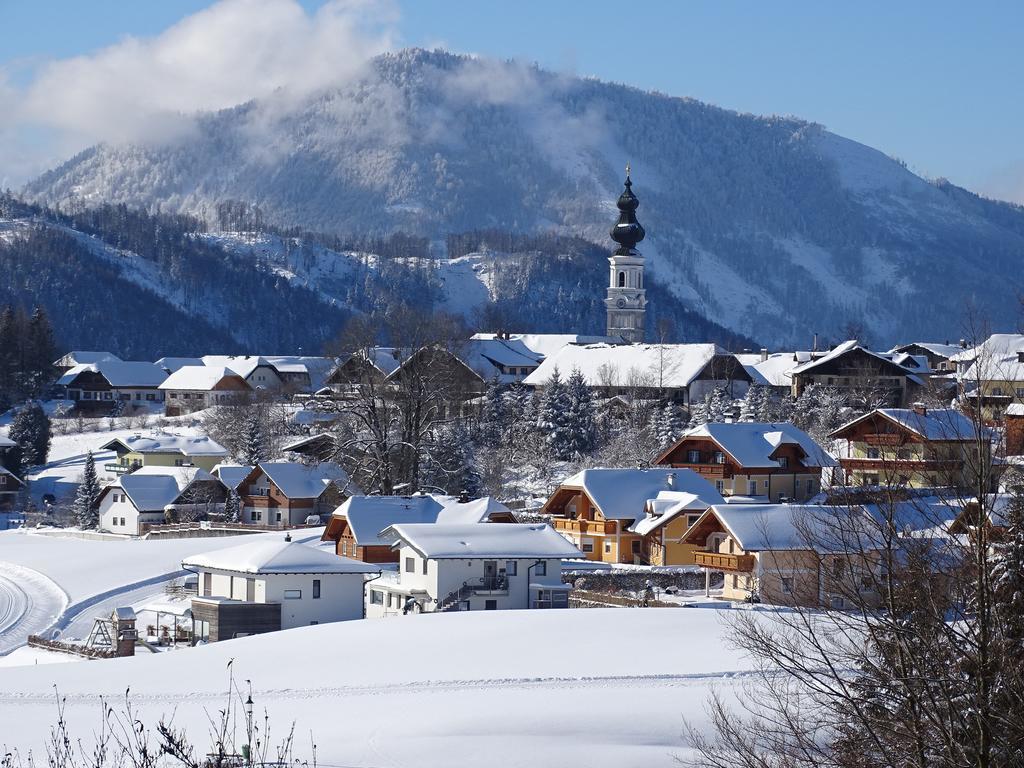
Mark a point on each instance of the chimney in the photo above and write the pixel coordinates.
(764, 354)
(287, 537)
(963, 343)
(815, 347)
(463, 497)
(670, 480)
(920, 409)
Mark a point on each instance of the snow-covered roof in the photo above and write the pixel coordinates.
(384, 359)
(80, 357)
(150, 489)
(851, 346)
(119, 373)
(543, 345)
(996, 346)
(318, 368)
(997, 359)
(764, 527)
(6, 442)
(368, 516)
(232, 475)
(1014, 409)
(941, 350)
(7, 473)
(773, 372)
(276, 556)
(243, 365)
(172, 364)
(622, 494)
(478, 540)
(305, 481)
(666, 507)
(752, 444)
(933, 424)
(199, 377)
(167, 442)
(653, 365)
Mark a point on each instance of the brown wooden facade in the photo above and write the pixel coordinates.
(275, 509)
(575, 515)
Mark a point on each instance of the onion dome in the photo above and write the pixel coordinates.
(627, 231)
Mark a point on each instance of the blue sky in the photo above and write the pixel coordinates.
(935, 83)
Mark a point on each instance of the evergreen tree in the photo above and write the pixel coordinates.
(31, 431)
(86, 507)
(755, 406)
(699, 411)
(9, 345)
(232, 507)
(718, 405)
(41, 351)
(669, 425)
(1008, 577)
(254, 444)
(805, 407)
(450, 464)
(494, 415)
(553, 419)
(581, 421)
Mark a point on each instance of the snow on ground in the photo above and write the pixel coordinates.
(601, 687)
(85, 578)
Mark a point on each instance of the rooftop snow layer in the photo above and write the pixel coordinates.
(622, 494)
(934, 424)
(150, 489)
(232, 475)
(461, 541)
(368, 516)
(667, 365)
(279, 556)
(197, 377)
(302, 481)
(119, 373)
(167, 442)
(751, 444)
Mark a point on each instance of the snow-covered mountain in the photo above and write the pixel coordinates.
(772, 227)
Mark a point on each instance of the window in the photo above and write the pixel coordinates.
(783, 462)
(997, 391)
(277, 517)
(691, 520)
(410, 565)
(720, 486)
(510, 568)
(490, 605)
(207, 584)
(179, 462)
(541, 569)
(588, 546)
(719, 457)
(313, 623)
(87, 395)
(622, 279)
(872, 453)
(787, 585)
(424, 566)
(293, 594)
(151, 396)
(735, 581)
(376, 597)
(108, 396)
(607, 547)
(732, 546)
(1020, 391)
(257, 514)
(316, 589)
(635, 546)
(752, 487)
(138, 395)
(693, 457)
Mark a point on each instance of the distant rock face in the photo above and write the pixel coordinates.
(769, 226)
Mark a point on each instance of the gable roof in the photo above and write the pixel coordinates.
(200, 377)
(542, 345)
(172, 364)
(306, 481)
(243, 365)
(168, 442)
(622, 494)
(276, 556)
(369, 516)
(767, 527)
(81, 357)
(150, 489)
(947, 351)
(934, 424)
(232, 475)
(7, 473)
(668, 365)
(667, 506)
(119, 373)
(845, 348)
(751, 444)
(996, 359)
(773, 372)
(479, 540)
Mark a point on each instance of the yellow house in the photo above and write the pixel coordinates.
(163, 449)
(630, 515)
(992, 373)
(915, 447)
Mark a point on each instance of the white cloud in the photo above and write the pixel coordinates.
(149, 89)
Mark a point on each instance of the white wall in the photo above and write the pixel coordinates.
(111, 513)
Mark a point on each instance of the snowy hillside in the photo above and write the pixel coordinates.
(427, 691)
(772, 227)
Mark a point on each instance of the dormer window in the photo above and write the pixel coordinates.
(783, 462)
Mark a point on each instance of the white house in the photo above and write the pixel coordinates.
(258, 372)
(194, 387)
(472, 567)
(98, 386)
(269, 584)
(150, 494)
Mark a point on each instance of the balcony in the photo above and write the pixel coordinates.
(119, 469)
(722, 562)
(584, 526)
(856, 463)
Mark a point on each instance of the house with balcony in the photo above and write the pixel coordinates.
(630, 515)
(356, 527)
(195, 387)
(472, 567)
(281, 494)
(157, 495)
(991, 374)
(271, 584)
(915, 447)
(772, 462)
(107, 385)
(162, 449)
(862, 376)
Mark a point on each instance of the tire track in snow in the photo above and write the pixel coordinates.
(29, 603)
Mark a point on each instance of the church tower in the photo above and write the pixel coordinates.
(627, 301)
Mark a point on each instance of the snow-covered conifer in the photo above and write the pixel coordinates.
(668, 425)
(31, 431)
(233, 507)
(553, 419)
(254, 443)
(581, 421)
(86, 507)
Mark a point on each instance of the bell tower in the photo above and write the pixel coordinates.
(627, 300)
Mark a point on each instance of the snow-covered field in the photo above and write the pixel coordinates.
(600, 687)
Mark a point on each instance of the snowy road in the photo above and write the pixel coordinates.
(79, 624)
(29, 603)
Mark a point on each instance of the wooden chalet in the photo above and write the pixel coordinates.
(279, 494)
(858, 372)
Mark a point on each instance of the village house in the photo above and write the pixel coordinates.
(80, 357)
(992, 374)
(529, 350)
(195, 387)
(366, 366)
(356, 526)
(472, 567)
(863, 376)
(684, 373)
(257, 371)
(771, 370)
(941, 357)
(232, 475)
(157, 495)
(631, 515)
(773, 462)
(163, 449)
(915, 447)
(101, 387)
(279, 494)
(10, 487)
(266, 585)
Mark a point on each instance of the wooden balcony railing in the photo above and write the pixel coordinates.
(722, 562)
(584, 526)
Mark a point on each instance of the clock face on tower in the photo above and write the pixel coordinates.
(620, 303)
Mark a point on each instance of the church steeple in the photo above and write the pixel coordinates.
(626, 301)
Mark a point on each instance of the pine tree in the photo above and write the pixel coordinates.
(31, 431)
(755, 405)
(86, 507)
(494, 415)
(581, 420)
(254, 443)
(718, 405)
(450, 464)
(699, 411)
(232, 507)
(554, 417)
(669, 425)
(1008, 577)
(9, 344)
(40, 353)
(805, 407)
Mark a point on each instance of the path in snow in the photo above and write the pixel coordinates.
(77, 623)
(29, 603)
